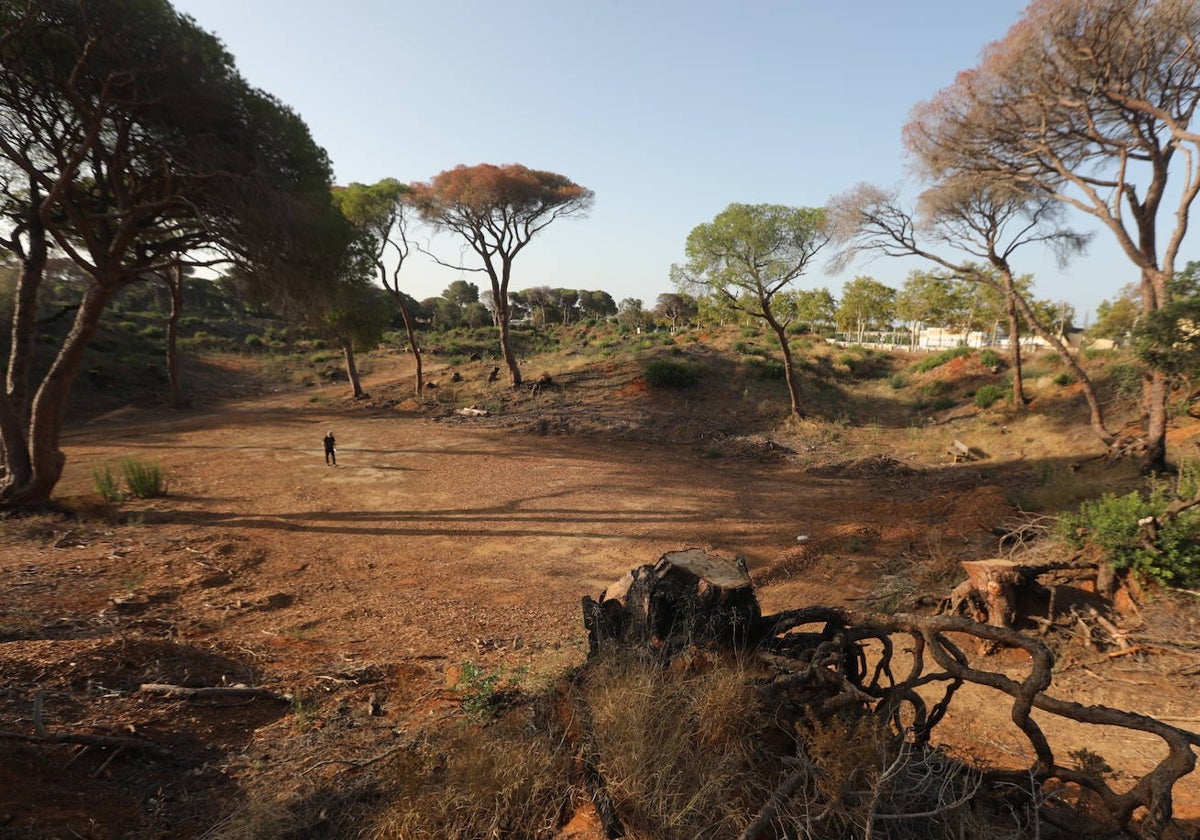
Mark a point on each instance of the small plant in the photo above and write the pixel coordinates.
(1065, 378)
(988, 395)
(670, 373)
(480, 691)
(898, 381)
(106, 483)
(765, 368)
(143, 478)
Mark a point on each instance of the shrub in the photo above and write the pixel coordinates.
(943, 403)
(898, 381)
(987, 395)
(989, 358)
(1171, 557)
(1064, 379)
(765, 368)
(1126, 381)
(144, 479)
(670, 373)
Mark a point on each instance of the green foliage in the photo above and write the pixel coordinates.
(106, 483)
(143, 478)
(481, 692)
(988, 395)
(989, 358)
(943, 403)
(670, 373)
(898, 381)
(762, 368)
(1126, 380)
(936, 361)
(1170, 556)
(1065, 378)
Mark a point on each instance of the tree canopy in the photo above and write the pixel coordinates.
(748, 254)
(497, 210)
(130, 141)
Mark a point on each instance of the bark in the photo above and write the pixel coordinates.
(1095, 411)
(32, 483)
(1014, 349)
(789, 372)
(24, 322)
(351, 367)
(175, 285)
(412, 342)
(687, 598)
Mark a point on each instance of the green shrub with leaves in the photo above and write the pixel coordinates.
(765, 368)
(989, 358)
(988, 395)
(1170, 556)
(144, 479)
(671, 373)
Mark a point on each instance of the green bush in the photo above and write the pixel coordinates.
(143, 478)
(988, 395)
(931, 362)
(670, 373)
(1111, 523)
(1065, 378)
(898, 381)
(989, 358)
(1126, 381)
(765, 368)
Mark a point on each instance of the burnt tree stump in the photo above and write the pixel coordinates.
(687, 598)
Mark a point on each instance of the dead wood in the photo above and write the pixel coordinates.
(831, 661)
(213, 692)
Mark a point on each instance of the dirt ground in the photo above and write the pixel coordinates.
(359, 590)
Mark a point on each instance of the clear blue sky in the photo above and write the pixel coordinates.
(668, 109)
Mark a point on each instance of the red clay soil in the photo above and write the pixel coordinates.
(358, 591)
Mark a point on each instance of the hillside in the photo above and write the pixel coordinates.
(445, 556)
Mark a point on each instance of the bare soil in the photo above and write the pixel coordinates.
(359, 590)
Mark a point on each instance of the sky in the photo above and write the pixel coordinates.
(669, 110)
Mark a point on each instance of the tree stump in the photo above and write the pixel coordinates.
(687, 598)
(995, 582)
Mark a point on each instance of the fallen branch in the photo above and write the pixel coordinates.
(106, 741)
(185, 693)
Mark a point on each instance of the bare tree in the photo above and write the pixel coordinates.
(983, 219)
(1089, 103)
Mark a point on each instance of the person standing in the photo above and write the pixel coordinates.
(330, 449)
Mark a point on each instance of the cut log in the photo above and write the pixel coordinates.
(996, 581)
(687, 598)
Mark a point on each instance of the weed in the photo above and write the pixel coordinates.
(898, 381)
(143, 478)
(106, 483)
(989, 358)
(1065, 378)
(481, 692)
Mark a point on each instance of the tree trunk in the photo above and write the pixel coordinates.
(351, 367)
(789, 372)
(24, 328)
(175, 286)
(32, 483)
(1014, 347)
(1155, 391)
(1096, 413)
(412, 342)
(687, 598)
